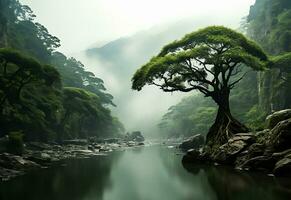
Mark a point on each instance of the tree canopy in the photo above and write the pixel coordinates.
(211, 60)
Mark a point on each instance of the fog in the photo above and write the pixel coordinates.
(113, 38)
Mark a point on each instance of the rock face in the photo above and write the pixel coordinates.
(273, 119)
(194, 142)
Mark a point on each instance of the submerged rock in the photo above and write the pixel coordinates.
(194, 142)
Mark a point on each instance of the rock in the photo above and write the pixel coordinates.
(259, 163)
(194, 142)
(10, 161)
(140, 144)
(283, 167)
(195, 156)
(227, 153)
(273, 119)
(135, 136)
(252, 151)
(280, 136)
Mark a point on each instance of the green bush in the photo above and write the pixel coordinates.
(15, 143)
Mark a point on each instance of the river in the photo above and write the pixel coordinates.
(144, 173)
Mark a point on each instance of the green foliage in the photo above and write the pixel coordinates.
(15, 143)
(193, 115)
(32, 97)
(199, 59)
(256, 118)
(269, 23)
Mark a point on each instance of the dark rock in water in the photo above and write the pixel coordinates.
(280, 136)
(194, 142)
(140, 144)
(195, 156)
(283, 167)
(259, 163)
(135, 136)
(14, 162)
(273, 119)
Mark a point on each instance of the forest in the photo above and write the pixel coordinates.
(145, 100)
(46, 96)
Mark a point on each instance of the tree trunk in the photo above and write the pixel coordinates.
(225, 125)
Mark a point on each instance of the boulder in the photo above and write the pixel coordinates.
(273, 119)
(227, 153)
(252, 151)
(280, 136)
(135, 136)
(283, 167)
(194, 142)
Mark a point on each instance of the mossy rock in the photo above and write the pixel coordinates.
(273, 119)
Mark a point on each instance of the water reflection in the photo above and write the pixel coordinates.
(149, 173)
(230, 184)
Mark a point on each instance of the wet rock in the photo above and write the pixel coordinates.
(273, 119)
(283, 167)
(14, 162)
(194, 142)
(259, 163)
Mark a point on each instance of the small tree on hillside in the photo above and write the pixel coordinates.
(212, 61)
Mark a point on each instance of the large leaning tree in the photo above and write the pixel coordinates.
(212, 60)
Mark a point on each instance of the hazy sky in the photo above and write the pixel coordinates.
(81, 23)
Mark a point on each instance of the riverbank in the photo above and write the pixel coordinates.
(43, 155)
(267, 150)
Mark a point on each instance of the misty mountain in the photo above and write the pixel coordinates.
(117, 61)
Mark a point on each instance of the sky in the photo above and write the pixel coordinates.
(83, 23)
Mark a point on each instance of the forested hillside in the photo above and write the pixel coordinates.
(259, 93)
(43, 94)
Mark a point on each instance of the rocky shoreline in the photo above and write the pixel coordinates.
(267, 150)
(42, 155)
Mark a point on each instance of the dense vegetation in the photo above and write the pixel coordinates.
(259, 93)
(43, 94)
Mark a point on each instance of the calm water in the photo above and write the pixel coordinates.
(146, 173)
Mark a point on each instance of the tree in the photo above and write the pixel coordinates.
(16, 72)
(211, 61)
